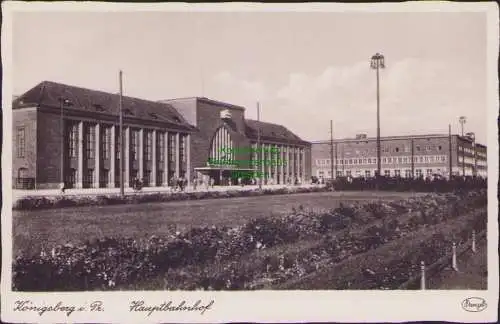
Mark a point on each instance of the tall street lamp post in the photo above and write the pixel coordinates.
(462, 120)
(377, 63)
(62, 102)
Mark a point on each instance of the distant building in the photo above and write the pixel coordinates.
(405, 156)
(68, 134)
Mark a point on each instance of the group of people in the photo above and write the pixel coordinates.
(180, 183)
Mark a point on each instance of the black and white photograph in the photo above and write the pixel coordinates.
(199, 163)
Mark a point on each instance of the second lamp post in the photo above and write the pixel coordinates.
(377, 63)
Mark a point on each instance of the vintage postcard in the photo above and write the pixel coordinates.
(214, 163)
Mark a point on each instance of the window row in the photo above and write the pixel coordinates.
(386, 160)
(106, 141)
(369, 173)
(399, 149)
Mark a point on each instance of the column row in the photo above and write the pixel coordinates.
(289, 169)
(93, 155)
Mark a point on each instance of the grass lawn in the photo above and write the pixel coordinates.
(46, 228)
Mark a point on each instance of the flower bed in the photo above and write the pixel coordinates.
(341, 233)
(36, 202)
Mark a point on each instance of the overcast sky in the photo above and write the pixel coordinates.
(304, 68)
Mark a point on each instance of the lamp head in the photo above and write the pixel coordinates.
(377, 61)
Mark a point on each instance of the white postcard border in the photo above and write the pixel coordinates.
(259, 306)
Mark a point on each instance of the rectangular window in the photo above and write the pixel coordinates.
(418, 173)
(134, 144)
(443, 158)
(90, 141)
(118, 147)
(397, 173)
(339, 173)
(367, 173)
(389, 160)
(89, 178)
(348, 173)
(421, 159)
(73, 140)
(182, 147)
(384, 160)
(21, 142)
(171, 147)
(148, 148)
(408, 173)
(387, 173)
(369, 161)
(160, 146)
(400, 160)
(429, 172)
(106, 142)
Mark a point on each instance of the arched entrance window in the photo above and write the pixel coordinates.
(222, 146)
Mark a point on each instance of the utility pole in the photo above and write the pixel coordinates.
(336, 160)
(449, 143)
(462, 121)
(122, 146)
(331, 148)
(412, 160)
(259, 149)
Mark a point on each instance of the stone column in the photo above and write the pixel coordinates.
(290, 166)
(304, 165)
(165, 161)
(141, 154)
(97, 171)
(79, 181)
(282, 162)
(177, 155)
(154, 159)
(126, 147)
(293, 164)
(112, 158)
(275, 157)
(188, 158)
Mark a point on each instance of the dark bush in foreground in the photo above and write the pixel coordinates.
(118, 262)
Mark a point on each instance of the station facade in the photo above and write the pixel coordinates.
(403, 156)
(71, 135)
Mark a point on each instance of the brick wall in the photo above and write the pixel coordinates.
(49, 150)
(24, 118)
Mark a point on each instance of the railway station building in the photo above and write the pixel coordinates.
(69, 135)
(401, 156)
